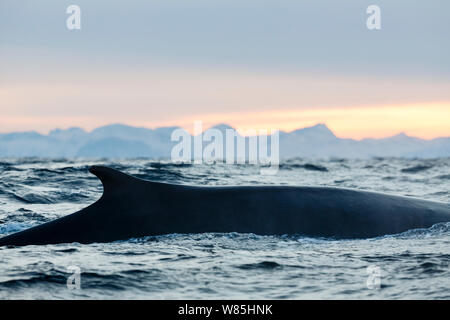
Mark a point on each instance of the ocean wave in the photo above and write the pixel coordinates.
(306, 166)
(162, 165)
(260, 265)
(418, 168)
(33, 279)
(436, 230)
(430, 268)
(8, 168)
(32, 198)
(443, 177)
(12, 227)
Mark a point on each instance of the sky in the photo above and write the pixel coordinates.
(254, 64)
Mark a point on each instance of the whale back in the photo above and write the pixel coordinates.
(132, 207)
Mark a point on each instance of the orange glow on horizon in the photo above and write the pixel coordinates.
(351, 106)
(425, 121)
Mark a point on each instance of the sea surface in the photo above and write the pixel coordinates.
(411, 265)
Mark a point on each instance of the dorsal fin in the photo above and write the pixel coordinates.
(110, 178)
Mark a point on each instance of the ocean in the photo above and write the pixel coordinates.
(411, 265)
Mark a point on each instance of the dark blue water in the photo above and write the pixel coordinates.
(414, 264)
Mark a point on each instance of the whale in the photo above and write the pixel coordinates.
(133, 208)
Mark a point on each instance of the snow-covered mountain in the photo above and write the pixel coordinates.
(122, 141)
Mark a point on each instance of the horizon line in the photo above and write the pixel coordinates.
(236, 128)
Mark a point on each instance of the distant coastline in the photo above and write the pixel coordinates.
(122, 141)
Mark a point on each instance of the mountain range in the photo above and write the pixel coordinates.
(122, 141)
